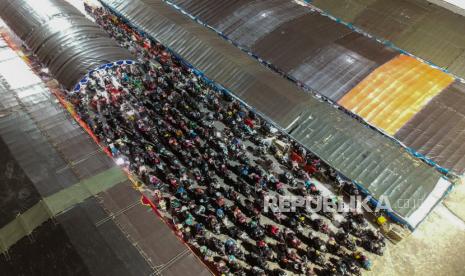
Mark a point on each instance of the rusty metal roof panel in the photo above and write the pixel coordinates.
(347, 10)
(291, 43)
(381, 168)
(389, 19)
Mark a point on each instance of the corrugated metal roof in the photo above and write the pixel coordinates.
(263, 17)
(347, 10)
(381, 168)
(301, 39)
(428, 31)
(438, 130)
(458, 65)
(62, 37)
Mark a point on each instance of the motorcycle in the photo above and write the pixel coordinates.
(316, 257)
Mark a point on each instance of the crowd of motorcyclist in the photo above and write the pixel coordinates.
(211, 162)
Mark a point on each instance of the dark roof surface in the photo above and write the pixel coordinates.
(419, 27)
